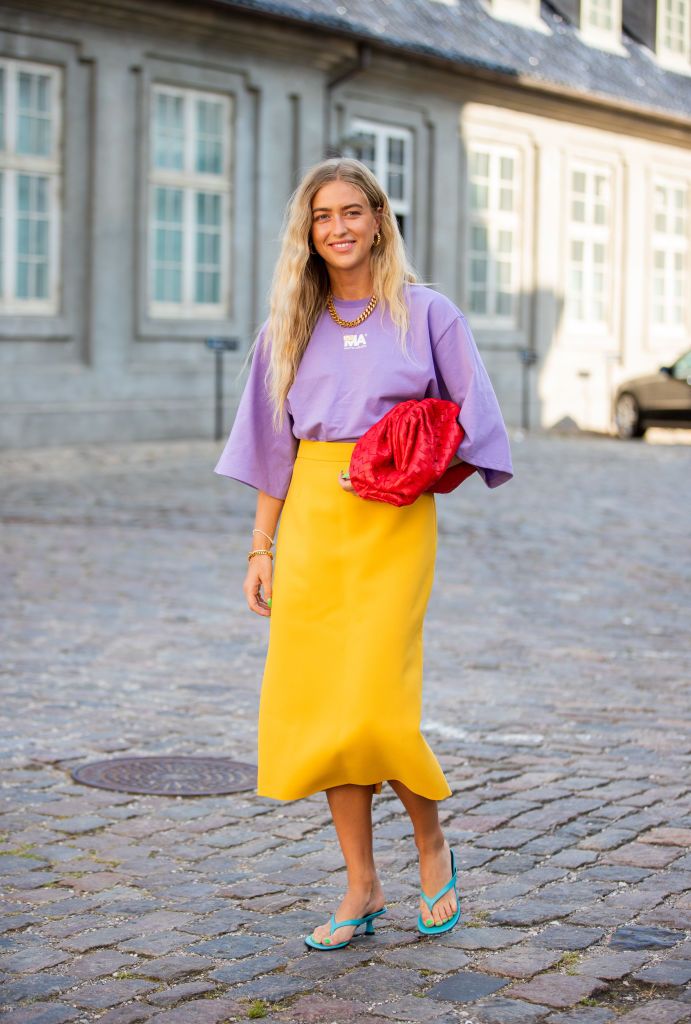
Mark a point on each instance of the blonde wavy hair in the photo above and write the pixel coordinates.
(300, 285)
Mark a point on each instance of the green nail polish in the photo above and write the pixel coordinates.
(268, 601)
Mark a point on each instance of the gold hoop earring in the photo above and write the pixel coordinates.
(377, 238)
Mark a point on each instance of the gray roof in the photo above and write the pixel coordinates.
(466, 34)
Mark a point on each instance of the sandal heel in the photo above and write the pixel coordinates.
(368, 921)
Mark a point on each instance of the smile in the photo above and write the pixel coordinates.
(342, 246)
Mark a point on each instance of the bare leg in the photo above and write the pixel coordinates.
(351, 807)
(435, 855)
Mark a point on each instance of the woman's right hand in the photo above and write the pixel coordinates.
(257, 585)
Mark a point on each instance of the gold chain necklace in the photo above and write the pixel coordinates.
(350, 323)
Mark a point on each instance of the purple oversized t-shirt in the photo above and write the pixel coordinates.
(349, 377)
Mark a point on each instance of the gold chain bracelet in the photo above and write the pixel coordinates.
(260, 551)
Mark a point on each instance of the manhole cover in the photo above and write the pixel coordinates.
(169, 776)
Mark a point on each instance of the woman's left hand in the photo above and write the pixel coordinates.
(344, 481)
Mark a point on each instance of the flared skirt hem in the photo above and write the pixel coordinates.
(431, 793)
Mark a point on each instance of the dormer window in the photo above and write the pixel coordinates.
(601, 24)
(521, 12)
(674, 33)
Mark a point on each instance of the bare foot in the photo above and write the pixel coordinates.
(356, 903)
(435, 872)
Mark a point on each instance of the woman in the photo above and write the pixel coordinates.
(349, 335)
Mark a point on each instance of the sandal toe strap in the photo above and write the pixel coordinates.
(342, 924)
(430, 902)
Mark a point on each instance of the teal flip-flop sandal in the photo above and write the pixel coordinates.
(367, 920)
(447, 925)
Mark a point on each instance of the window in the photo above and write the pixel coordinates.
(492, 245)
(589, 244)
(670, 254)
(601, 24)
(674, 31)
(521, 12)
(30, 187)
(189, 220)
(598, 15)
(388, 152)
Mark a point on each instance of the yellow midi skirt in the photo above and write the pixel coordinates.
(341, 696)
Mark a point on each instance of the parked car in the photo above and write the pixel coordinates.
(661, 399)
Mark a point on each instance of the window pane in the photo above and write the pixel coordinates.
(504, 241)
(479, 164)
(169, 132)
(33, 232)
(600, 14)
(478, 238)
(478, 301)
(675, 25)
(208, 248)
(578, 210)
(2, 235)
(505, 199)
(168, 244)
(209, 137)
(478, 271)
(479, 197)
(504, 303)
(396, 152)
(33, 114)
(669, 255)
(366, 149)
(2, 108)
(504, 273)
(395, 185)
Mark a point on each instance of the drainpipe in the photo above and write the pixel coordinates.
(362, 63)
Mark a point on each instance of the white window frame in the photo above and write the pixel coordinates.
(671, 244)
(382, 133)
(595, 35)
(190, 182)
(671, 58)
(495, 220)
(519, 12)
(589, 234)
(12, 165)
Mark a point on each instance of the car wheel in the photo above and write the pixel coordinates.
(627, 416)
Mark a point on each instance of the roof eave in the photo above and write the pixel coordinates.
(459, 63)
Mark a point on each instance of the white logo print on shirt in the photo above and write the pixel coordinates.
(354, 341)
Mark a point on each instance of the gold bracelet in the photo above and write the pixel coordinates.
(260, 551)
(257, 530)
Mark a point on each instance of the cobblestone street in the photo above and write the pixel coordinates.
(557, 665)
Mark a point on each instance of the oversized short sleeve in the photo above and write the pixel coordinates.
(255, 453)
(462, 377)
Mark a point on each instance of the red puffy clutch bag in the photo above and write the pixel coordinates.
(408, 451)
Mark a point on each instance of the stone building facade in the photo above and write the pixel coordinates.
(538, 158)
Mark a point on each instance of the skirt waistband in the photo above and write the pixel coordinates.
(325, 451)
